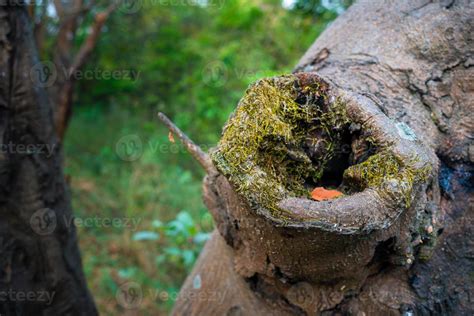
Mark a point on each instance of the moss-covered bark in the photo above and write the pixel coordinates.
(279, 140)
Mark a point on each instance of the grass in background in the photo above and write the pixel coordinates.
(155, 201)
(195, 62)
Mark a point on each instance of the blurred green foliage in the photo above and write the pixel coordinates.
(194, 61)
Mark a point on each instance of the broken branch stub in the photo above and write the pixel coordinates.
(198, 154)
(293, 133)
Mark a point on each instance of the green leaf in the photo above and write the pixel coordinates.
(145, 235)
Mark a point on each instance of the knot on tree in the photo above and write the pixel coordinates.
(293, 133)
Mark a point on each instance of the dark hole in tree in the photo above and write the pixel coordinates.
(344, 156)
(334, 171)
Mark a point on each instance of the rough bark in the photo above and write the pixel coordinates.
(404, 71)
(40, 264)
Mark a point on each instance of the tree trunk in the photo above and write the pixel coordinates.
(40, 264)
(387, 97)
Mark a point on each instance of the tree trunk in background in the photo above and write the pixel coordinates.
(66, 61)
(406, 67)
(60, 74)
(40, 264)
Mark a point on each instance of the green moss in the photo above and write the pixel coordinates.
(263, 149)
(382, 167)
(283, 136)
(372, 172)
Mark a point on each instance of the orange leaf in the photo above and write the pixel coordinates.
(321, 194)
(171, 137)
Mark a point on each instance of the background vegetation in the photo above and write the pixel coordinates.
(193, 60)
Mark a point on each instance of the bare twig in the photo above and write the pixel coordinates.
(65, 43)
(91, 41)
(193, 149)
